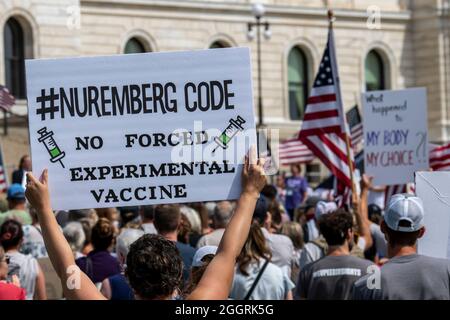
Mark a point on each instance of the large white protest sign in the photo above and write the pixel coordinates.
(141, 129)
(395, 135)
(433, 188)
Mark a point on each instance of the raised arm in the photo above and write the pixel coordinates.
(76, 285)
(218, 277)
(362, 211)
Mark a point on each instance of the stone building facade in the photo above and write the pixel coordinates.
(410, 48)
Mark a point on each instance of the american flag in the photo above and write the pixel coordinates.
(7, 100)
(3, 181)
(440, 158)
(324, 127)
(294, 151)
(394, 189)
(356, 128)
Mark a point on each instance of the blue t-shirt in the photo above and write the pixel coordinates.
(187, 254)
(120, 289)
(295, 187)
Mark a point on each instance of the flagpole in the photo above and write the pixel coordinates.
(331, 19)
(5, 122)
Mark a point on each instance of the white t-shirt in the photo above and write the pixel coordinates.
(211, 239)
(273, 284)
(149, 228)
(282, 250)
(313, 232)
(26, 268)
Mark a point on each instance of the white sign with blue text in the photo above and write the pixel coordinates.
(395, 135)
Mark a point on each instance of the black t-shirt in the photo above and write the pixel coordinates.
(331, 278)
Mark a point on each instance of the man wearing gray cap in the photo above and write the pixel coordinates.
(407, 275)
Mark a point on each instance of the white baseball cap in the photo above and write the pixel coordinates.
(404, 207)
(323, 208)
(201, 253)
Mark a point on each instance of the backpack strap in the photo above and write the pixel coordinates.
(260, 273)
(38, 229)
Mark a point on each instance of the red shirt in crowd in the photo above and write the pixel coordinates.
(9, 291)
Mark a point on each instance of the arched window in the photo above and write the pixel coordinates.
(298, 83)
(14, 44)
(219, 45)
(134, 46)
(375, 72)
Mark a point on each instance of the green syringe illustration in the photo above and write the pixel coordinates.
(49, 142)
(234, 126)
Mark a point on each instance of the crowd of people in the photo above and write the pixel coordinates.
(277, 241)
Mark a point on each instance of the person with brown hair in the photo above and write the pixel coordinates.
(332, 277)
(18, 176)
(154, 267)
(281, 246)
(317, 248)
(99, 264)
(25, 267)
(294, 231)
(147, 214)
(9, 290)
(167, 222)
(256, 278)
(184, 230)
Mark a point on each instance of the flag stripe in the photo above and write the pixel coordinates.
(334, 148)
(320, 115)
(326, 152)
(440, 159)
(442, 167)
(322, 123)
(318, 91)
(323, 157)
(324, 106)
(318, 131)
(7, 100)
(294, 151)
(322, 98)
(304, 156)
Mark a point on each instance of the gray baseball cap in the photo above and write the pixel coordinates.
(404, 213)
(201, 253)
(323, 208)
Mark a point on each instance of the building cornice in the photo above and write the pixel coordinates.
(285, 11)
